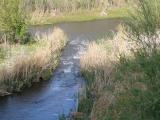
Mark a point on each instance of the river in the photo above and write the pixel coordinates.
(48, 100)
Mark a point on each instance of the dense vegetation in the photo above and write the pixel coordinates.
(21, 58)
(68, 5)
(17, 43)
(25, 64)
(122, 74)
(12, 21)
(53, 11)
(124, 84)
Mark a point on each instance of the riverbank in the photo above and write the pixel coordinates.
(22, 65)
(97, 66)
(79, 16)
(122, 74)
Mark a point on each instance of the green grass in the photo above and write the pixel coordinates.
(139, 78)
(118, 13)
(9, 51)
(134, 79)
(135, 85)
(84, 15)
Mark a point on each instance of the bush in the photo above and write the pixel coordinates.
(139, 99)
(138, 78)
(134, 80)
(144, 24)
(12, 20)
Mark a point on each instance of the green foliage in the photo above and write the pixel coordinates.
(3, 52)
(144, 22)
(85, 105)
(141, 98)
(145, 18)
(12, 20)
(89, 76)
(136, 80)
(139, 77)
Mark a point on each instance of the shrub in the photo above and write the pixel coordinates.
(137, 94)
(144, 24)
(139, 99)
(133, 92)
(12, 20)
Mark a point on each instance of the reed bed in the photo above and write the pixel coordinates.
(131, 63)
(24, 68)
(98, 66)
(53, 11)
(106, 52)
(68, 5)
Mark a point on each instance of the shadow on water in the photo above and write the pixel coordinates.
(48, 99)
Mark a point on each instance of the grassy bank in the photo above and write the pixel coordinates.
(120, 84)
(97, 66)
(22, 65)
(53, 11)
(78, 16)
(122, 74)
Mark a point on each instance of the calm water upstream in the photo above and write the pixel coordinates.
(49, 99)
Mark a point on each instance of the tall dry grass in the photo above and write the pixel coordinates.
(98, 54)
(98, 65)
(68, 5)
(53, 10)
(131, 90)
(100, 57)
(22, 69)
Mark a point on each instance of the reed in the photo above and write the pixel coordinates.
(97, 66)
(52, 11)
(68, 5)
(25, 68)
(131, 64)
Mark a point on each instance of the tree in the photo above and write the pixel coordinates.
(12, 20)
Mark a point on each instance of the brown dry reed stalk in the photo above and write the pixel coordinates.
(24, 69)
(100, 58)
(99, 61)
